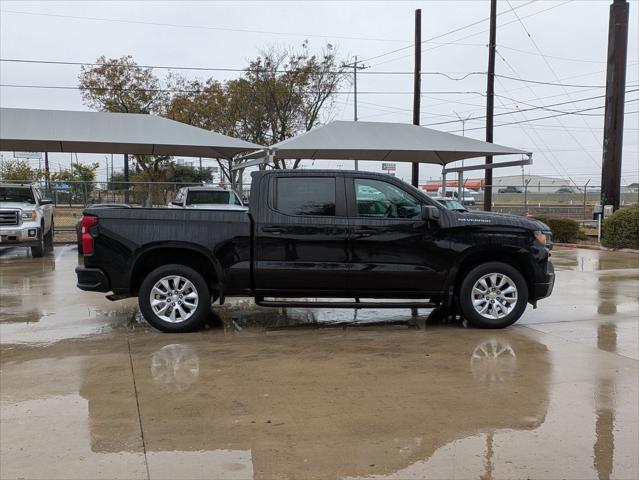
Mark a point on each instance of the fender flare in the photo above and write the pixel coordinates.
(188, 246)
(479, 249)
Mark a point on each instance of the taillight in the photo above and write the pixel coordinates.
(87, 240)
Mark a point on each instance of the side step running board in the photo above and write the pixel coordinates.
(357, 304)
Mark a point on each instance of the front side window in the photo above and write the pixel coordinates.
(379, 199)
(306, 195)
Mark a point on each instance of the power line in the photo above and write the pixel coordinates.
(223, 69)
(568, 132)
(552, 70)
(440, 35)
(566, 59)
(175, 90)
(467, 36)
(543, 118)
(534, 107)
(203, 27)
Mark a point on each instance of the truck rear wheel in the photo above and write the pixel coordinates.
(493, 295)
(175, 298)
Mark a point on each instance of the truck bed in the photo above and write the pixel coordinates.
(125, 234)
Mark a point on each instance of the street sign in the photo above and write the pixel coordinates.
(35, 155)
(389, 167)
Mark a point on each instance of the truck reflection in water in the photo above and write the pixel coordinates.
(328, 404)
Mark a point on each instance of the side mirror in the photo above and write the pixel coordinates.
(429, 212)
(177, 204)
(45, 201)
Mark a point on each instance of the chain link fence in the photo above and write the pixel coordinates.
(576, 202)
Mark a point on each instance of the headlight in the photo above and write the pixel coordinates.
(544, 238)
(29, 215)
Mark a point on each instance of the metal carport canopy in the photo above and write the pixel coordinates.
(389, 142)
(101, 132)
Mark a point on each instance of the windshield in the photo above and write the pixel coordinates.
(219, 197)
(16, 194)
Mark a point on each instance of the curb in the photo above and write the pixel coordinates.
(595, 247)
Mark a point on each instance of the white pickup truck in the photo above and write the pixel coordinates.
(451, 192)
(26, 218)
(207, 198)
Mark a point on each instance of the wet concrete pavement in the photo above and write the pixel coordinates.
(88, 390)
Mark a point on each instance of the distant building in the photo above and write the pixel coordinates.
(538, 183)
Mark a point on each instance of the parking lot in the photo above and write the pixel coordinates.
(88, 390)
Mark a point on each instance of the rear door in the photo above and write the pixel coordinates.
(394, 251)
(302, 236)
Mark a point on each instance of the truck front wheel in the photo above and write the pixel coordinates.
(37, 251)
(175, 298)
(493, 295)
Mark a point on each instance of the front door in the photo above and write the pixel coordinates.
(302, 238)
(394, 251)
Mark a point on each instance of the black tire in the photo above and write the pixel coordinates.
(466, 295)
(200, 313)
(48, 238)
(38, 251)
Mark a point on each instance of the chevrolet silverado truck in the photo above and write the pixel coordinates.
(325, 235)
(26, 218)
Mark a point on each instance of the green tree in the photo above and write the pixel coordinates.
(19, 171)
(121, 85)
(187, 174)
(292, 89)
(80, 178)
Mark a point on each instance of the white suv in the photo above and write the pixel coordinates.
(26, 219)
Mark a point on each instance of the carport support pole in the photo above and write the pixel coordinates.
(615, 97)
(490, 104)
(444, 182)
(126, 178)
(47, 175)
(417, 86)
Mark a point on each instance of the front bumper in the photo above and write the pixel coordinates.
(23, 235)
(92, 279)
(544, 289)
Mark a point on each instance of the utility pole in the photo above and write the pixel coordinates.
(200, 165)
(417, 86)
(615, 97)
(355, 67)
(490, 104)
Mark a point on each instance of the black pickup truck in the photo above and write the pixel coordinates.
(319, 234)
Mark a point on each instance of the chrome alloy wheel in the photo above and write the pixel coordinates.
(173, 299)
(494, 295)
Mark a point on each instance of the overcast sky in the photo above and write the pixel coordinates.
(552, 41)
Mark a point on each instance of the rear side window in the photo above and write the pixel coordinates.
(306, 195)
(203, 197)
